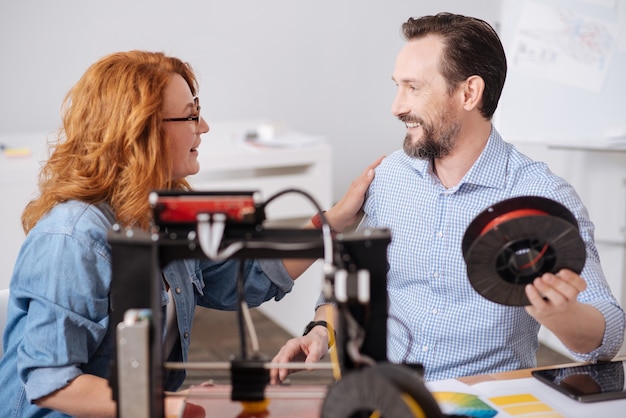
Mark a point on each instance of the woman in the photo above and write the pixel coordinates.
(131, 124)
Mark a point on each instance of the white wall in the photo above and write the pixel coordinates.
(320, 66)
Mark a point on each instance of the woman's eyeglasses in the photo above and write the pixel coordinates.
(195, 119)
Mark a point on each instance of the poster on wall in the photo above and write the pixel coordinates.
(564, 45)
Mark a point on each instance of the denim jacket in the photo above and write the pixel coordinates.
(58, 323)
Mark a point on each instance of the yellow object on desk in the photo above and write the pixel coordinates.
(15, 152)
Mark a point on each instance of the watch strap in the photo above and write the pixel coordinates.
(332, 335)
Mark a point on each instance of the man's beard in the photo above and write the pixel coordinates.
(434, 143)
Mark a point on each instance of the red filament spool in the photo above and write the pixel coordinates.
(516, 240)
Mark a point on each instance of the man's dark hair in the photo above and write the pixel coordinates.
(471, 47)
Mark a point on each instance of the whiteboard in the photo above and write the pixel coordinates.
(567, 67)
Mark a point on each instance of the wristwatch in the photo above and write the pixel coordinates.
(332, 335)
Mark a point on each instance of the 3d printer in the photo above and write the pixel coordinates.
(225, 225)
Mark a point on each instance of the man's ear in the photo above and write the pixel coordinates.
(473, 89)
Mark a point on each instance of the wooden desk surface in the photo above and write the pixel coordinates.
(309, 397)
(303, 401)
(514, 374)
(517, 374)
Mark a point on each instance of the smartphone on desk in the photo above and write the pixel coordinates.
(587, 383)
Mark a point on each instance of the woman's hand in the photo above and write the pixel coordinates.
(348, 210)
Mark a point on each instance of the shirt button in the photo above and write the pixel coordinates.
(425, 348)
(439, 234)
(435, 311)
(178, 290)
(436, 274)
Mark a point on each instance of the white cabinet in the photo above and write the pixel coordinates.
(599, 176)
(227, 163)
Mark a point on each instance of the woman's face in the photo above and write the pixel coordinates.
(183, 137)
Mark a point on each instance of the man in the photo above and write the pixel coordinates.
(449, 77)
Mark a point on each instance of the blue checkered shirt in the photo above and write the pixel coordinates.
(436, 318)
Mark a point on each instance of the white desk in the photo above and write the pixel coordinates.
(229, 163)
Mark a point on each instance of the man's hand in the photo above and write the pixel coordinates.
(554, 304)
(309, 349)
(554, 294)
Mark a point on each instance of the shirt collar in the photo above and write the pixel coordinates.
(489, 170)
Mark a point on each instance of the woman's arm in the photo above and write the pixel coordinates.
(90, 396)
(87, 396)
(341, 216)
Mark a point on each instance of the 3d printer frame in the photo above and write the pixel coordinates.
(138, 258)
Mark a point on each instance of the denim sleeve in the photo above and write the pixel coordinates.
(62, 310)
(263, 280)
